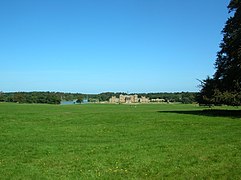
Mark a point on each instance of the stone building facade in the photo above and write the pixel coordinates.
(158, 100)
(143, 99)
(114, 99)
(129, 99)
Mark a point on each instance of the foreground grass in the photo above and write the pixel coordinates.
(118, 142)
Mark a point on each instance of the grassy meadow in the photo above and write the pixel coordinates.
(106, 141)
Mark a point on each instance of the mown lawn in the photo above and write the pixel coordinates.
(119, 142)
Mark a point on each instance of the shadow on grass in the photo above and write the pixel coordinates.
(209, 112)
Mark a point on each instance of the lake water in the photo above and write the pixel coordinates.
(68, 102)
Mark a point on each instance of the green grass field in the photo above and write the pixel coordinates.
(119, 142)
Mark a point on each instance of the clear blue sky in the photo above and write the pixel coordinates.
(93, 46)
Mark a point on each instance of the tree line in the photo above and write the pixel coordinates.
(38, 97)
(56, 97)
(182, 97)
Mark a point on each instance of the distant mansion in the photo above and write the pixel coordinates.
(129, 99)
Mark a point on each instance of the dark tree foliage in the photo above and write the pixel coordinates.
(105, 96)
(80, 98)
(225, 86)
(32, 97)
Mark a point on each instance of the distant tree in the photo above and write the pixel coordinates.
(80, 99)
(19, 97)
(225, 85)
(187, 98)
(105, 96)
(1, 96)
